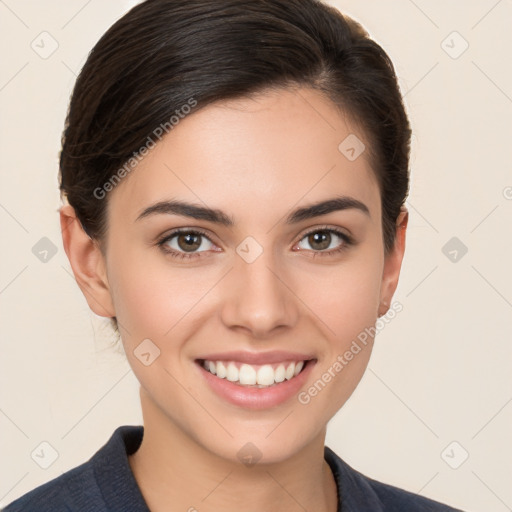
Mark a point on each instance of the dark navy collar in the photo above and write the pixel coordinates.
(117, 483)
(356, 492)
(113, 472)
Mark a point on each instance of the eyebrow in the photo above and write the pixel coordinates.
(175, 207)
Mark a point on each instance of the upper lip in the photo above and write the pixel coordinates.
(275, 356)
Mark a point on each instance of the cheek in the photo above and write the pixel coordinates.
(152, 298)
(344, 297)
(348, 315)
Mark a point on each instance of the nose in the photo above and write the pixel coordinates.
(258, 298)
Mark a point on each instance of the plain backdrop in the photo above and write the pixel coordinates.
(433, 413)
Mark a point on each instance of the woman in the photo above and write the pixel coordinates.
(235, 175)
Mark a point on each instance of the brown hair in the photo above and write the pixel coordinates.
(162, 53)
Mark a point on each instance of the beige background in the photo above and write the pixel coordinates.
(441, 369)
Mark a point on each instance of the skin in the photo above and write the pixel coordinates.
(278, 150)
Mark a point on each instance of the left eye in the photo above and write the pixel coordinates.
(321, 239)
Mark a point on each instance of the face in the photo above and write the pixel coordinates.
(270, 287)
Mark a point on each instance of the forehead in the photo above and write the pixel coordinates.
(254, 158)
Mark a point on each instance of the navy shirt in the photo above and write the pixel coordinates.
(105, 483)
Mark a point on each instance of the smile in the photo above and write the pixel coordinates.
(251, 375)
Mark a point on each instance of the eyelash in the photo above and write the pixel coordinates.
(347, 242)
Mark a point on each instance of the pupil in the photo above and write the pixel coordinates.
(191, 241)
(321, 237)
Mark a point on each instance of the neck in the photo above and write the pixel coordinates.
(170, 467)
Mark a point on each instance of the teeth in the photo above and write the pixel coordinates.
(298, 368)
(247, 375)
(279, 373)
(265, 376)
(221, 369)
(254, 375)
(232, 372)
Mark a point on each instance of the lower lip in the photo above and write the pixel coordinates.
(257, 398)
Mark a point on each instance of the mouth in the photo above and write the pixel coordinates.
(257, 376)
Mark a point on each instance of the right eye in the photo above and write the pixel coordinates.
(184, 243)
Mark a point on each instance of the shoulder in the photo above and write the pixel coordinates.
(103, 483)
(394, 498)
(59, 494)
(360, 493)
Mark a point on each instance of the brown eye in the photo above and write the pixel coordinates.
(189, 241)
(321, 239)
(185, 243)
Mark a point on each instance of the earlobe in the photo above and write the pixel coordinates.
(87, 262)
(393, 263)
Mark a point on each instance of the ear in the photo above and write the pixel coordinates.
(87, 262)
(393, 263)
